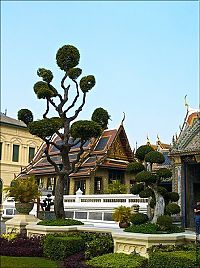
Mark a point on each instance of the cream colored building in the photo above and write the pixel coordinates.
(17, 148)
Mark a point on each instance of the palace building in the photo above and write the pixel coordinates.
(17, 148)
(104, 160)
(185, 157)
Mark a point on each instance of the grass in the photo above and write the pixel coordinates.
(26, 262)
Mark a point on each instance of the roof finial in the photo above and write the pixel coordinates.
(185, 102)
(148, 141)
(123, 118)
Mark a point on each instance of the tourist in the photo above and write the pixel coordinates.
(197, 217)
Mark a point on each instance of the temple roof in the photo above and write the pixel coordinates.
(110, 150)
(188, 140)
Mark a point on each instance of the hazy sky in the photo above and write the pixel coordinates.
(144, 56)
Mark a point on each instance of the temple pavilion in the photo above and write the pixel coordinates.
(185, 157)
(104, 160)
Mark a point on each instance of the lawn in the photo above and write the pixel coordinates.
(26, 262)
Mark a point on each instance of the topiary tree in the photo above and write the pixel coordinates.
(101, 116)
(148, 182)
(70, 133)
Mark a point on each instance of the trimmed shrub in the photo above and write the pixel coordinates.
(175, 259)
(164, 222)
(139, 218)
(21, 246)
(58, 247)
(146, 228)
(173, 196)
(60, 222)
(137, 188)
(99, 246)
(172, 209)
(118, 260)
(75, 261)
(135, 167)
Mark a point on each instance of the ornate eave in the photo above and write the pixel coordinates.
(188, 142)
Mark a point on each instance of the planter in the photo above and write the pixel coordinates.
(24, 208)
(46, 215)
(124, 224)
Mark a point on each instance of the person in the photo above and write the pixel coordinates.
(197, 217)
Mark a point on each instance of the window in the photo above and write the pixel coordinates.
(15, 156)
(97, 185)
(116, 175)
(0, 150)
(80, 184)
(31, 153)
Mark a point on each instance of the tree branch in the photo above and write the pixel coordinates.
(79, 109)
(75, 99)
(47, 109)
(46, 151)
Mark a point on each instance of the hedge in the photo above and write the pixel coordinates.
(118, 260)
(60, 222)
(58, 247)
(175, 259)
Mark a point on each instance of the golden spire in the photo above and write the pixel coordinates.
(148, 141)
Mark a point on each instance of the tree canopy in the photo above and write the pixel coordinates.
(64, 123)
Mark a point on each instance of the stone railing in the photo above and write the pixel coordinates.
(89, 208)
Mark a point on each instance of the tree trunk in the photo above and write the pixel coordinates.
(58, 201)
(159, 207)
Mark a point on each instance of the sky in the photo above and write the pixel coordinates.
(143, 54)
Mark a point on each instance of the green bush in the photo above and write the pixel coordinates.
(172, 209)
(151, 228)
(175, 259)
(60, 222)
(164, 222)
(139, 218)
(173, 196)
(118, 260)
(146, 228)
(137, 188)
(99, 246)
(58, 247)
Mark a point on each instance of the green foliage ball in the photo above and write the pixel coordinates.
(43, 90)
(135, 167)
(139, 218)
(146, 193)
(44, 128)
(137, 188)
(101, 116)
(142, 151)
(67, 57)
(172, 209)
(87, 83)
(164, 222)
(85, 129)
(154, 157)
(173, 196)
(74, 73)
(46, 75)
(25, 115)
(146, 176)
(164, 173)
(162, 190)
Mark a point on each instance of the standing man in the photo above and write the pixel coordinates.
(197, 217)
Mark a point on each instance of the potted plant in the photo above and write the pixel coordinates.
(122, 215)
(24, 191)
